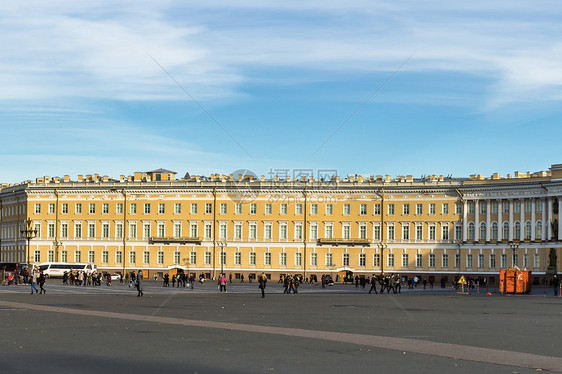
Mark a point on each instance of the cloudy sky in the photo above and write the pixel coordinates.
(409, 87)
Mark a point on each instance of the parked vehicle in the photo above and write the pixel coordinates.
(57, 269)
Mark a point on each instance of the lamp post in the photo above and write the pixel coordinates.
(382, 246)
(29, 232)
(222, 244)
(514, 246)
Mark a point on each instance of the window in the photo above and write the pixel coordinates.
(419, 260)
(118, 230)
(528, 230)
(146, 230)
(458, 208)
(51, 256)
(283, 259)
(419, 209)
(503, 261)
(376, 260)
(390, 260)
(483, 207)
(161, 208)
(177, 230)
(238, 231)
(133, 230)
(390, 232)
(457, 260)
(363, 232)
(313, 259)
(494, 207)
(346, 233)
(506, 207)
(283, 209)
(329, 259)
(253, 258)
(267, 260)
(193, 230)
(363, 209)
(406, 209)
(515, 259)
(517, 231)
(222, 231)
(147, 208)
(64, 210)
(268, 209)
(64, 231)
(51, 208)
(78, 208)
(458, 232)
(390, 209)
(37, 256)
(314, 232)
(105, 257)
(480, 261)
(528, 207)
(37, 227)
(376, 232)
(471, 208)
(105, 230)
(517, 206)
(298, 259)
(538, 228)
(346, 209)
(537, 261)
(431, 260)
(419, 232)
(525, 260)
(469, 264)
(404, 260)
(177, 208)
(208, 208)
(92, 208)
(492, 261)
(193, 208)
(119, 208)
(91, 230)
(377, 209)
(133, 257)
(105, 208)
(494, 231)
(283, 231)
(445, 261)
(432, 235)
(238, 208)
(482, 231)
(406, 232)
(432, 209)
(118, 257)
(267, 231)
(207, 258)
(329, 209)
(208, 231)
(471, 231)
(237, 258)
(64, 256)
(298, 232)
(253, 208)
(445, 232)
(37, 208)
(91, 256)
(146, 257)
(505, 231)
(539, 206)
(160, 258)
(445, 208)
(298, 209)
(223, 208)
(345, 259)
(77, 230)
(329, 232)
(223, 258)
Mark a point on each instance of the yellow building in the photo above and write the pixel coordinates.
(433, 226)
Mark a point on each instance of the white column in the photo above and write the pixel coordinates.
(464, 219)
(500, 223)
(549, 220)
(559, 215)
(522, 220)
(476, 220)
(488, 220)
(533, 218)
(510, 220)
(544, 223)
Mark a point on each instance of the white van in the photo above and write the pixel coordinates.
(57, 269)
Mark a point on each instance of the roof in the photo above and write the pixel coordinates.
(162, 171)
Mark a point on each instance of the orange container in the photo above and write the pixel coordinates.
(515, 281)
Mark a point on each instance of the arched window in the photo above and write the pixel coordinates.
(495, 231)
(538, 228)
(505, 231)
(483, 231)
(528, 230)
(471, 231)
(517, 231)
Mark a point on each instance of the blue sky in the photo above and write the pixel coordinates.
(84, 92)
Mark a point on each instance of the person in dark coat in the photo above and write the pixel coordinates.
(140, 282)
(41, 283)
(263, 281)
(373, 284)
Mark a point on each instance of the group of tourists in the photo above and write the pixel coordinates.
(387, 282)
(81, 278)
(181, 279)
(291, 284)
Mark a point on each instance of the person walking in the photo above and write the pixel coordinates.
(140, 284)
(42, 282)
(263, 281)
(373, 284)
(33, 281)
(556, 285)
(222, 282)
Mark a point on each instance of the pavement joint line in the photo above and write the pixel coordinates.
(426, 347)
(163, 303)
(402, 307)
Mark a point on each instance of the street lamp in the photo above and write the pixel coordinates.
(514, 246)
(382, 246)
(222, 244)
(29, 232)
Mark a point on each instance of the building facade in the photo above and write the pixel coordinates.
(433, 226)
